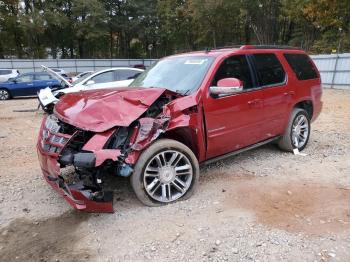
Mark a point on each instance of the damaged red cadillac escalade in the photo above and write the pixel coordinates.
(185, 110)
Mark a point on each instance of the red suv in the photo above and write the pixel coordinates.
(185, 110)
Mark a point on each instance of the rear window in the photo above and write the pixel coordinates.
(302, 66)
(127, 74)
(42, 77)
(269, 69)
(104, 77)
(5, 72)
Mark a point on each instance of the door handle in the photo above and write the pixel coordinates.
(291, 93)
(255, 102)
(30, 84)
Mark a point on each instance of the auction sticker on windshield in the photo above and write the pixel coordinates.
(195, 61)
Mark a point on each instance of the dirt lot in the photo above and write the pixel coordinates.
(262, 205)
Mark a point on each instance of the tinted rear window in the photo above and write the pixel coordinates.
(5, 72)
(269, 69)
(302, 66)
(42, 77)
(127, 74)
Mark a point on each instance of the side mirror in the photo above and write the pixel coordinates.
(12, 80)
(90, 82)
(227, 86)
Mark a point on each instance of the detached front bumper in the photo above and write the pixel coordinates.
(75, 194)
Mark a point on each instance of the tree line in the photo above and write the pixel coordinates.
(155, 28)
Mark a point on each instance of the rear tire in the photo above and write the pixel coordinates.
(167, 171)
(297, 133)
(4, 94)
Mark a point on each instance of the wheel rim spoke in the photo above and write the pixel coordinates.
(152, 171)
(177, 186)
(173, 158)
(181, 168)
(159, 162)
(163, 192)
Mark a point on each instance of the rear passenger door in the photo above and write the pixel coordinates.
(277, 96)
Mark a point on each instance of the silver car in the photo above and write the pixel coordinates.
(6, 74)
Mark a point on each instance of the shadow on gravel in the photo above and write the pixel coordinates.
(47, 240)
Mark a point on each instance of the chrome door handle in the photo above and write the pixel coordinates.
(255, 102)
(291, 93)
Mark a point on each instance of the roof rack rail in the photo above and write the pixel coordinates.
(208, 49)
(268, 47)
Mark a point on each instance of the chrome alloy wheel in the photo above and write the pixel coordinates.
(300, 131)
(168, 176)
(4, 95)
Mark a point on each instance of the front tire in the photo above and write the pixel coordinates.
(166, 172)
(4, 94)
(297, 133)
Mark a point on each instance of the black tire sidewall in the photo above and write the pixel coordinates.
(136, 178)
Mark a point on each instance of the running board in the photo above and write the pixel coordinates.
(215, 159)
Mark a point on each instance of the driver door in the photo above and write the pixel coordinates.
(233, 121)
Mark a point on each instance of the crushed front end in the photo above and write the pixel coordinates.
(83, 144)
(68, 169)
(76, 163)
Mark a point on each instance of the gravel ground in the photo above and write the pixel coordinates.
(262, 205)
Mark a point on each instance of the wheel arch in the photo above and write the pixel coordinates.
(186, 136)
(307, 105)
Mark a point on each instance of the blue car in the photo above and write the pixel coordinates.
(27, 84)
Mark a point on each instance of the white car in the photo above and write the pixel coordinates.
(6, 74)
(107, 78)
(75, 78)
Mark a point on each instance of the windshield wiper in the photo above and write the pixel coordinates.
(182, 92)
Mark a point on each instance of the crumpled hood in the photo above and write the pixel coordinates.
(101, 110)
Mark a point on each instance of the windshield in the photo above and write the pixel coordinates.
(82, 78)
(179, 74)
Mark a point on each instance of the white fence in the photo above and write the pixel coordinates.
(334, 69)
(71, 65)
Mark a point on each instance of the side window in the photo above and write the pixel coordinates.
(127, 74)
(25, 78)
(269, 69)
(302, 66)
(236, 67)
(104, 77)
(42, 77)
